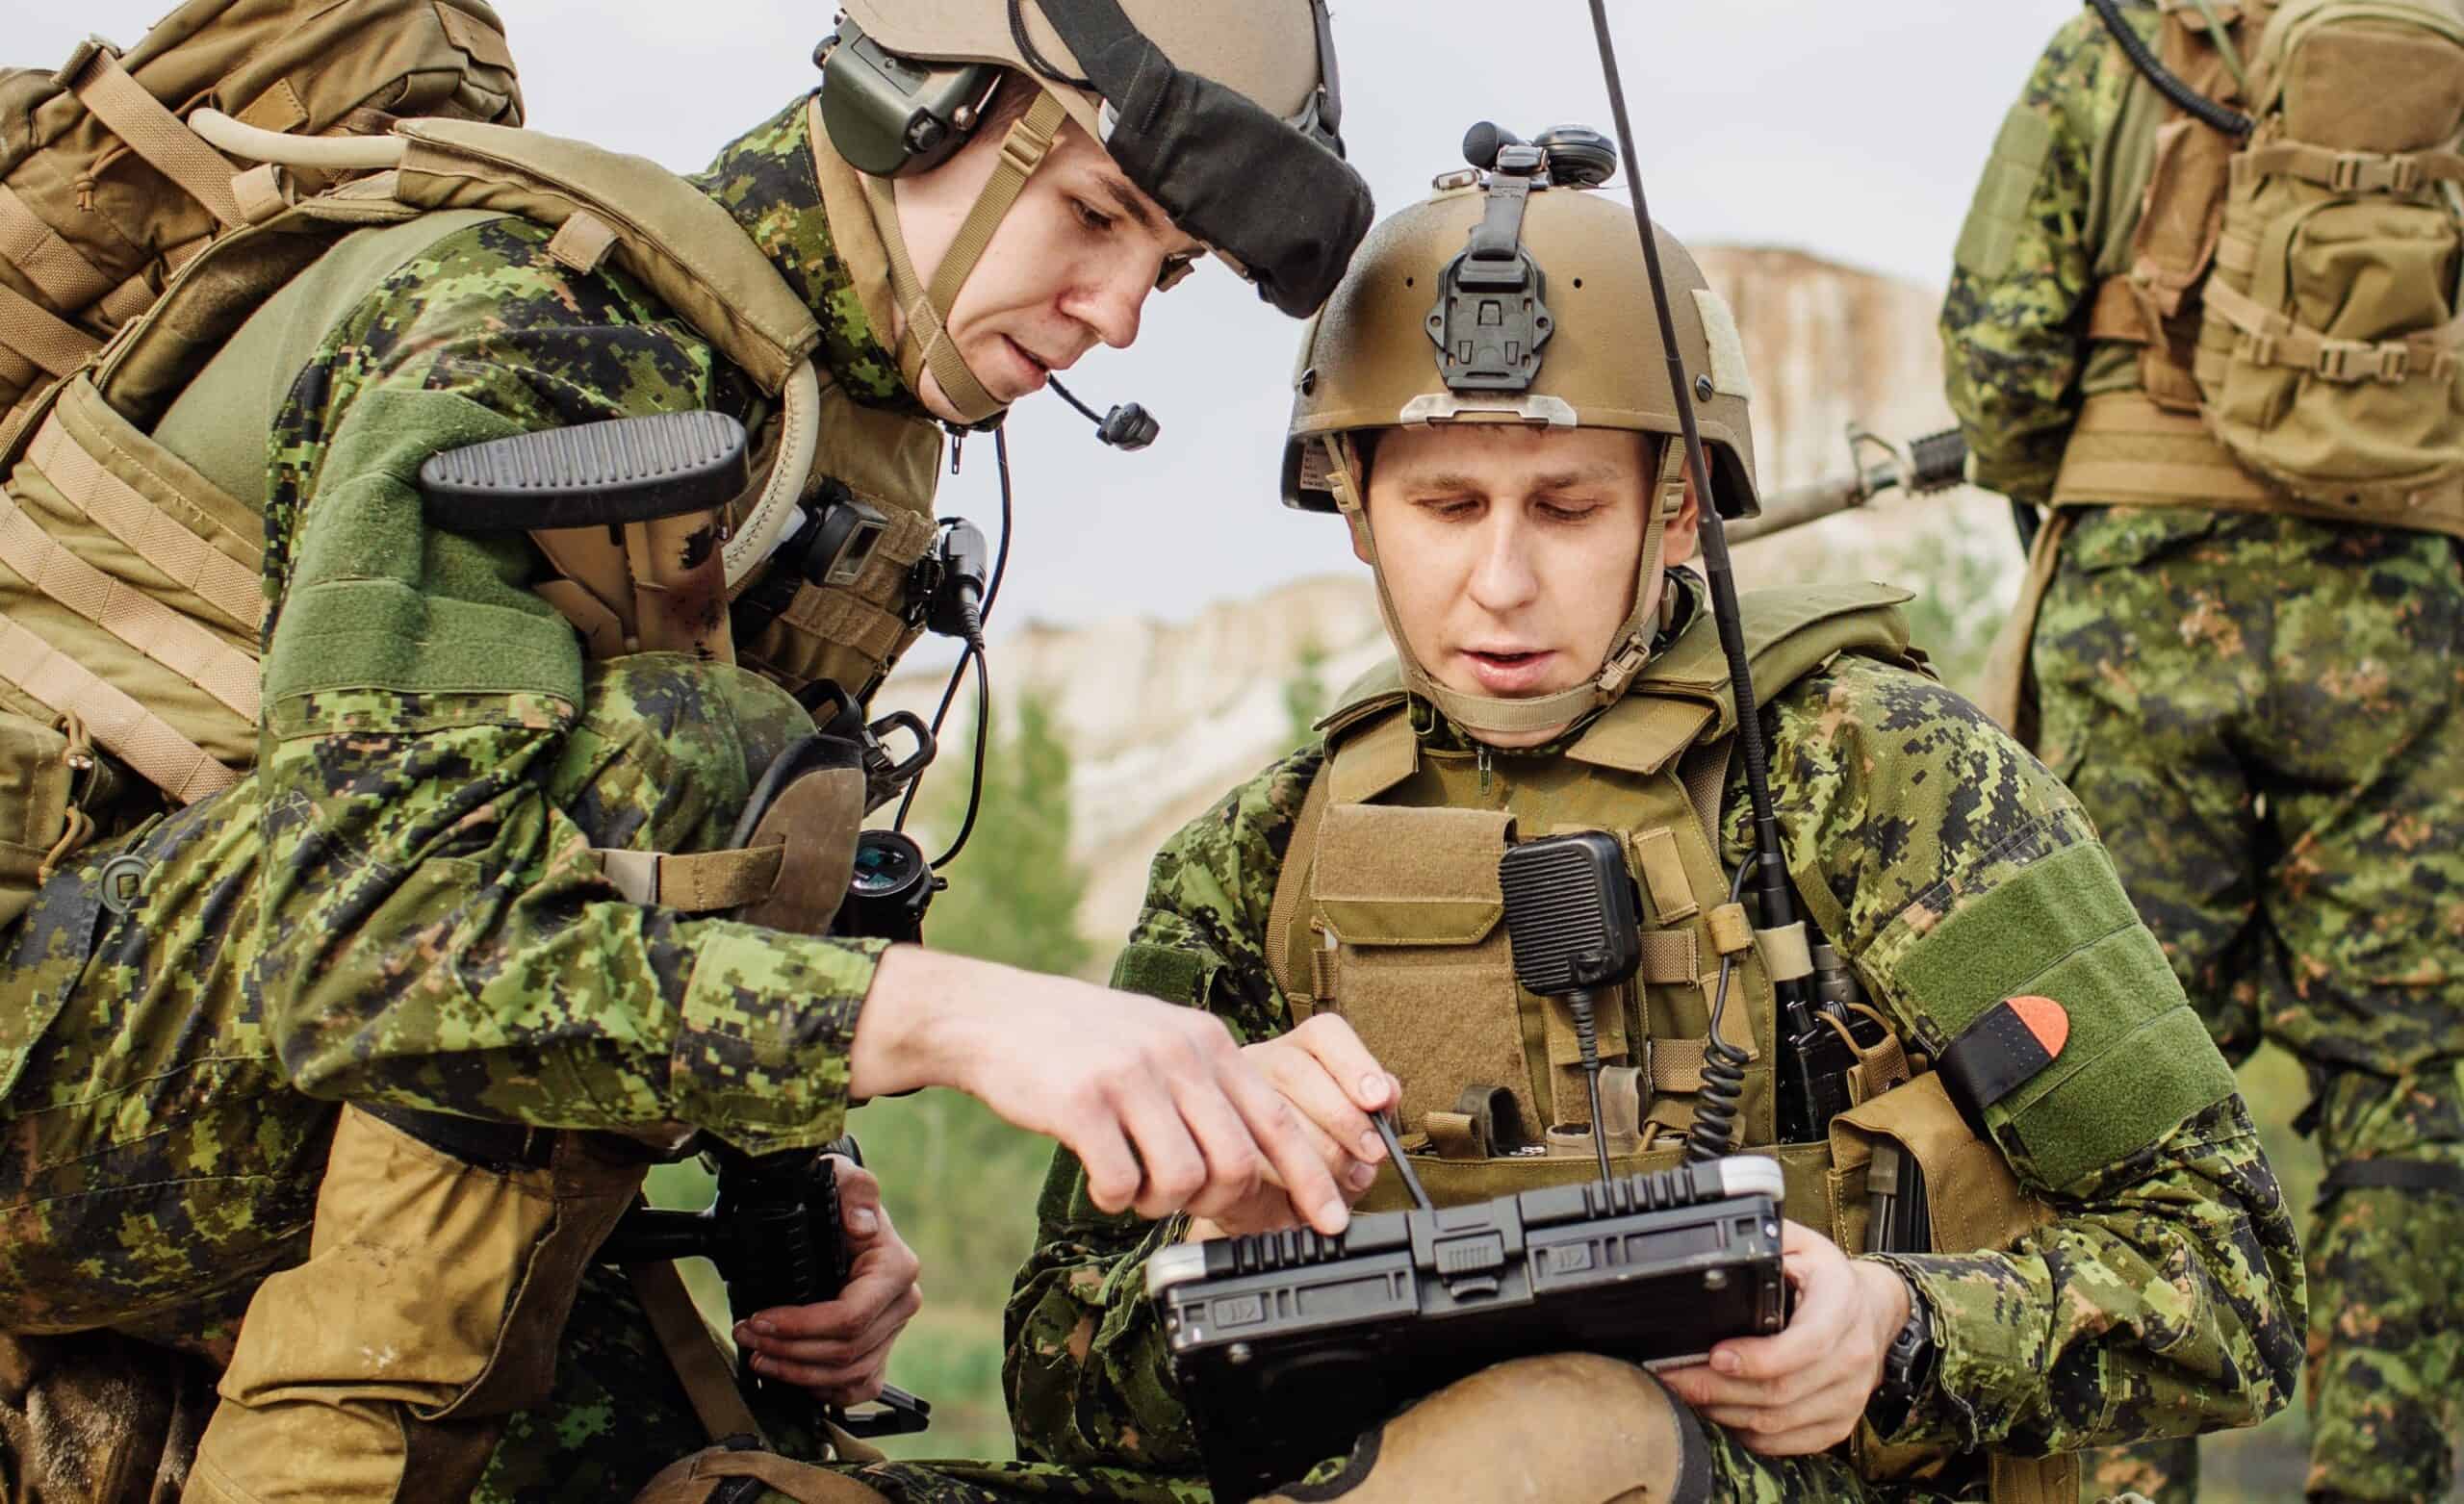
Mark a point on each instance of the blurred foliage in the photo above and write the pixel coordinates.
(1014, 894)
(1305, 694)
(1964, 586)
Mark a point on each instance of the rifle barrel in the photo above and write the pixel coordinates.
(1799, 505)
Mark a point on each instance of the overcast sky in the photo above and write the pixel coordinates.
(1854, 131)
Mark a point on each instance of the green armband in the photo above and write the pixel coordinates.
(1159, 971)
(2137, 1063)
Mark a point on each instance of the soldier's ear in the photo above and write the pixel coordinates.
(1684, 530)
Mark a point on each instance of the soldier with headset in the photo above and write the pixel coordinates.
(362, 987)
(2104, 1252)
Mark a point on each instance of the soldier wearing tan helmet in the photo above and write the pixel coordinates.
(355, 989)
(1485, 403)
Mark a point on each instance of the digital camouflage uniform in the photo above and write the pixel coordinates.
(2167, 1297)
(2259, 711)
(399, 906)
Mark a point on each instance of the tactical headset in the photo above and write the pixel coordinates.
(1273, 198)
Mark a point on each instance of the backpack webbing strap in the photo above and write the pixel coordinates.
(174, 641)
(700, 1364)
(2270, 339)
(695, 882)
(151, 747)
(154, 133)
(2356, 171)
(224, 584)
(47, 341)
(51, 264)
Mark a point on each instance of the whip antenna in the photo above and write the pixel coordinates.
(1779, 905)
(1802, 1079)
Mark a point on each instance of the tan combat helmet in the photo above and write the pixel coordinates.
(1224, 111)
(1518, 294)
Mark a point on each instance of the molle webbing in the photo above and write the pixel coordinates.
(101, 526)
(152, 746)
(230, 586)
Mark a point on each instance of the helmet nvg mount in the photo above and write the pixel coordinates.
(1224, 111)
(1516, 295)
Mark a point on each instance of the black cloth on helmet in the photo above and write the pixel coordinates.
(1277, 199)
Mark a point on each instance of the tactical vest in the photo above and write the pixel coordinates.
(2214, 377)
(1387, 912)
(129, 593)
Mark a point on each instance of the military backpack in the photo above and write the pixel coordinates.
(2295, 289)
(107, 189)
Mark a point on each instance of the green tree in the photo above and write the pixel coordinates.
(1962, 600)
(1013, 895)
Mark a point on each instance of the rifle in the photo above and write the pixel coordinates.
(1934, 463)
(775, 1234)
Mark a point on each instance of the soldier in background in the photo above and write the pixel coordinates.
(2247, 607)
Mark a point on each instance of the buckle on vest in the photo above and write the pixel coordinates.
(2345, 177)
(2344, 360)
(2395, 363)
(2403, 174)
(1622, 668)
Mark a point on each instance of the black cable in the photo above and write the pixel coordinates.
(2172, 86)
(983, 674)
(1035, 57)
(1063, 393)
(1000, 555)
(1721, 1101)
(1587, 1040)
(975, 785)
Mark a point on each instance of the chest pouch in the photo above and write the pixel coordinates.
(1411, 949)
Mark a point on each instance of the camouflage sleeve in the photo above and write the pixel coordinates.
(1955, 871)
(1084, 1365)
(2013, 322)
(435, 932)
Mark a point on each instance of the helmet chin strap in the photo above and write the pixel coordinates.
(924, 312)
(1488, 715)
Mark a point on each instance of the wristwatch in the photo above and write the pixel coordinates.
(1908, 1366)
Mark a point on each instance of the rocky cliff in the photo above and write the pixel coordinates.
(1163, 717)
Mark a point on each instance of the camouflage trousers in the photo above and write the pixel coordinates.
(2262, 716)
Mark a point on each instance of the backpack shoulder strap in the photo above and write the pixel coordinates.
(653, 223)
